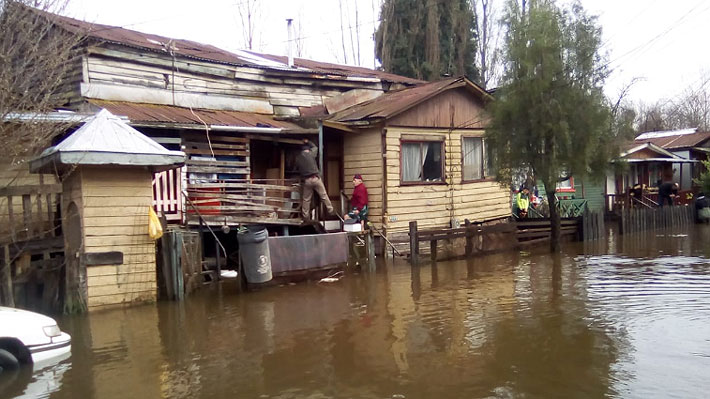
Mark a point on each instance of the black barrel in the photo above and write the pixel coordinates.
(254, 252)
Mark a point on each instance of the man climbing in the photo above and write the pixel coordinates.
(358, 201)
(307, 167)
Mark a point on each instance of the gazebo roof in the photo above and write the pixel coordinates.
(105, 139)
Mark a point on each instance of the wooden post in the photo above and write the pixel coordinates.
(218, 259)
(370, 243)
(8, 298)
(469, 238)
(413, 242)
(434, 247)
(11, 218)
(27, 213)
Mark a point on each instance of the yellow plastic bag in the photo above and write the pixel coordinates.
(155, 229)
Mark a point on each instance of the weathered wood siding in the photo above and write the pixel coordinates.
(456, 109)
(434, 205)
(119, 73)
(363, 155)
(17, 176)
(115, 218)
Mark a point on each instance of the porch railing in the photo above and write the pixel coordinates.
(235, 201)
(167, 194)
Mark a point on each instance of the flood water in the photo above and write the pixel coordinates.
(625, 317)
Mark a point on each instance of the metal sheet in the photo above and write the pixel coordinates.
(154, 113)
(293, 253)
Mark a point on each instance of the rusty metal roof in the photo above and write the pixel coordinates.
(162, 114)
(395, 102)
(187, 48)
(679, 141)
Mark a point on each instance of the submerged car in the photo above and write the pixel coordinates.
(30, 338)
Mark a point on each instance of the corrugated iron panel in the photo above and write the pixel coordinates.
(292, 253)
(679, 141)
(155, 113)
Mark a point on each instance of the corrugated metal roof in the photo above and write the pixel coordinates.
(154, 113)
(188, 48)
(678, 141)
(395, 102)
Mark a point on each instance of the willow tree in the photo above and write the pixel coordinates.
(550, 119)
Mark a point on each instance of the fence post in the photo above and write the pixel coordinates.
(370, 237)
(8, 297)
(434, 248)
(413, 242)
(469, 238)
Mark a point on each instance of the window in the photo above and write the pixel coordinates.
(422, 161)
(566, 186)
(474, 159)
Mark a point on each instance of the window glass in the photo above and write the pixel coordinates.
(473, 163)
(422, 161)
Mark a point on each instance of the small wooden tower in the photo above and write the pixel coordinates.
(106, 168)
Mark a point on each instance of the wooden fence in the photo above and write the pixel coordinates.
(512, 235)
(642, 219)
(33, 248)
(469, 232)
(593, 227)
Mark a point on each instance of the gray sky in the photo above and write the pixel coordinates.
(657, 42)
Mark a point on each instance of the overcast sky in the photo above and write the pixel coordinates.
(658, 42)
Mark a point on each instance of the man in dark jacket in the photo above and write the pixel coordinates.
(307, 167)
(667, 193)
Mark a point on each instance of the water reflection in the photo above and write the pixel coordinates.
(586, 323)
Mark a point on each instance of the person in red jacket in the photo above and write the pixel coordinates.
(358, 201)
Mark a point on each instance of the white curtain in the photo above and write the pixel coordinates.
(472, 158)
(411, 162)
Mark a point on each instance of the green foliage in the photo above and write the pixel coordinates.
(550, 117)
(427, 39)
(704, 180)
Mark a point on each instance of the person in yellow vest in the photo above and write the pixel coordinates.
(522, 202)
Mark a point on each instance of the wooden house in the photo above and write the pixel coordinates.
(241, 116)
(642, 163)
(686, 143)
(422, 156)
(238, 116)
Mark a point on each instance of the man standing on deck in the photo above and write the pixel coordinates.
(307, 167)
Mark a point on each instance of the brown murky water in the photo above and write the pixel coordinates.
(627, 317)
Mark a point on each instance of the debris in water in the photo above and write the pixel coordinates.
(228, 274)
(332, 278)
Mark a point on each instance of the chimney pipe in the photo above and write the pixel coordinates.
(289, 27)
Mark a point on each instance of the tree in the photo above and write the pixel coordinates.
(550, 117)
(488, 32)
(249, 15)
(35, 59)
(703, 181)
(427, 39)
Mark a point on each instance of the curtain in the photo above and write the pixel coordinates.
(472, 158)
(411, 162)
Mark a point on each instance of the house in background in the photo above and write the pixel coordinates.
(687, 143)
(644, 163)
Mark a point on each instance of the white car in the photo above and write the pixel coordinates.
(30, 338)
